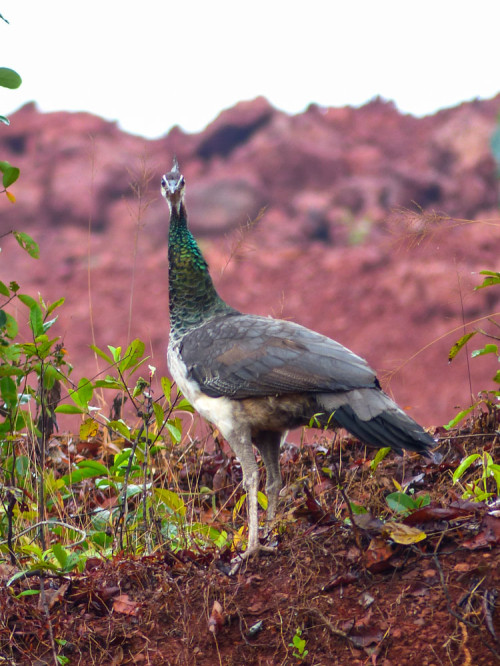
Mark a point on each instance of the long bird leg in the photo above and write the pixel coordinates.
(268, 444)
(242, 447)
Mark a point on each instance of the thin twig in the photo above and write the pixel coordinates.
(51, 522)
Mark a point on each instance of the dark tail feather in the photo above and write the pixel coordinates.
(391, 428)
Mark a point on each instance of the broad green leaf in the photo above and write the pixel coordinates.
(11, 328)
(459, 344)
(10, 176)
(8, 391)
(185, 406)
(496, 378)
(120, 427)
(400, 502)
(121, 457)
(83, 394)
(464, 465)
(3, 318)
(175, 433)
(69, 409)
(54, 305)
(4, 290)
(60, 553)
(110, 383)
(101, 539)
(9, 78)
(98, 467)
(27, 243)
(133, 354)
(29, 301)
(172, 500)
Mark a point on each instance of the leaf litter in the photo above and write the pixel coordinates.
(391, 588)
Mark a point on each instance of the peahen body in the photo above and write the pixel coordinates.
(255, 377)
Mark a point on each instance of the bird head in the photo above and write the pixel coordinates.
(173, 186)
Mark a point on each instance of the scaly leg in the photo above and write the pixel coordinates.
(242, 447)
(268, 444)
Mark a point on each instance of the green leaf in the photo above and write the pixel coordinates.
(185, 406)
(120, 427)
(9, 78)
(83, 394)
(102, 539)
(36, 320)
(461, 415)
(110, 383)
(53, 306)
(29, 301)
(11, 328)
(493, 278)
(357, 509)
(159, 414)
(4, 290)
(116, 351)
(379, 456)
(8, 391)
(10, 176)
(27, 243)
(174, 431)
(459, 344)
(487, 349)
(102, 354)
(166, 386)
(4, 120)
(97, 467)
(400, 502)
(60, 553)
(464, 465)
(172, 500)
(134, 353)
(3, 318)
(69, 409)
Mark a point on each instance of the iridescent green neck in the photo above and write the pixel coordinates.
(193, 298)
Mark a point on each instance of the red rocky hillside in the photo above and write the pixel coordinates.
(365, 235)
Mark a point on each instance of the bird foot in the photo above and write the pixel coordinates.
(250, 552)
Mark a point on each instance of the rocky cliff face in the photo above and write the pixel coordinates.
(355, 223)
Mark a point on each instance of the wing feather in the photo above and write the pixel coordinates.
(243, 356)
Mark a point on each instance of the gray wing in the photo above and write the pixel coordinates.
(242, 356)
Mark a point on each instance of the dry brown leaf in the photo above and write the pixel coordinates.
(216, 620)
(123, 604)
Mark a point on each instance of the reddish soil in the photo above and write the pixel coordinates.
(358, 596)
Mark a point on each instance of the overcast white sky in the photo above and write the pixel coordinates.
(158, 63)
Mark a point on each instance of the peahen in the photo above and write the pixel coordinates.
(255, 377)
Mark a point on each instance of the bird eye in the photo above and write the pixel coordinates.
(163, 182)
